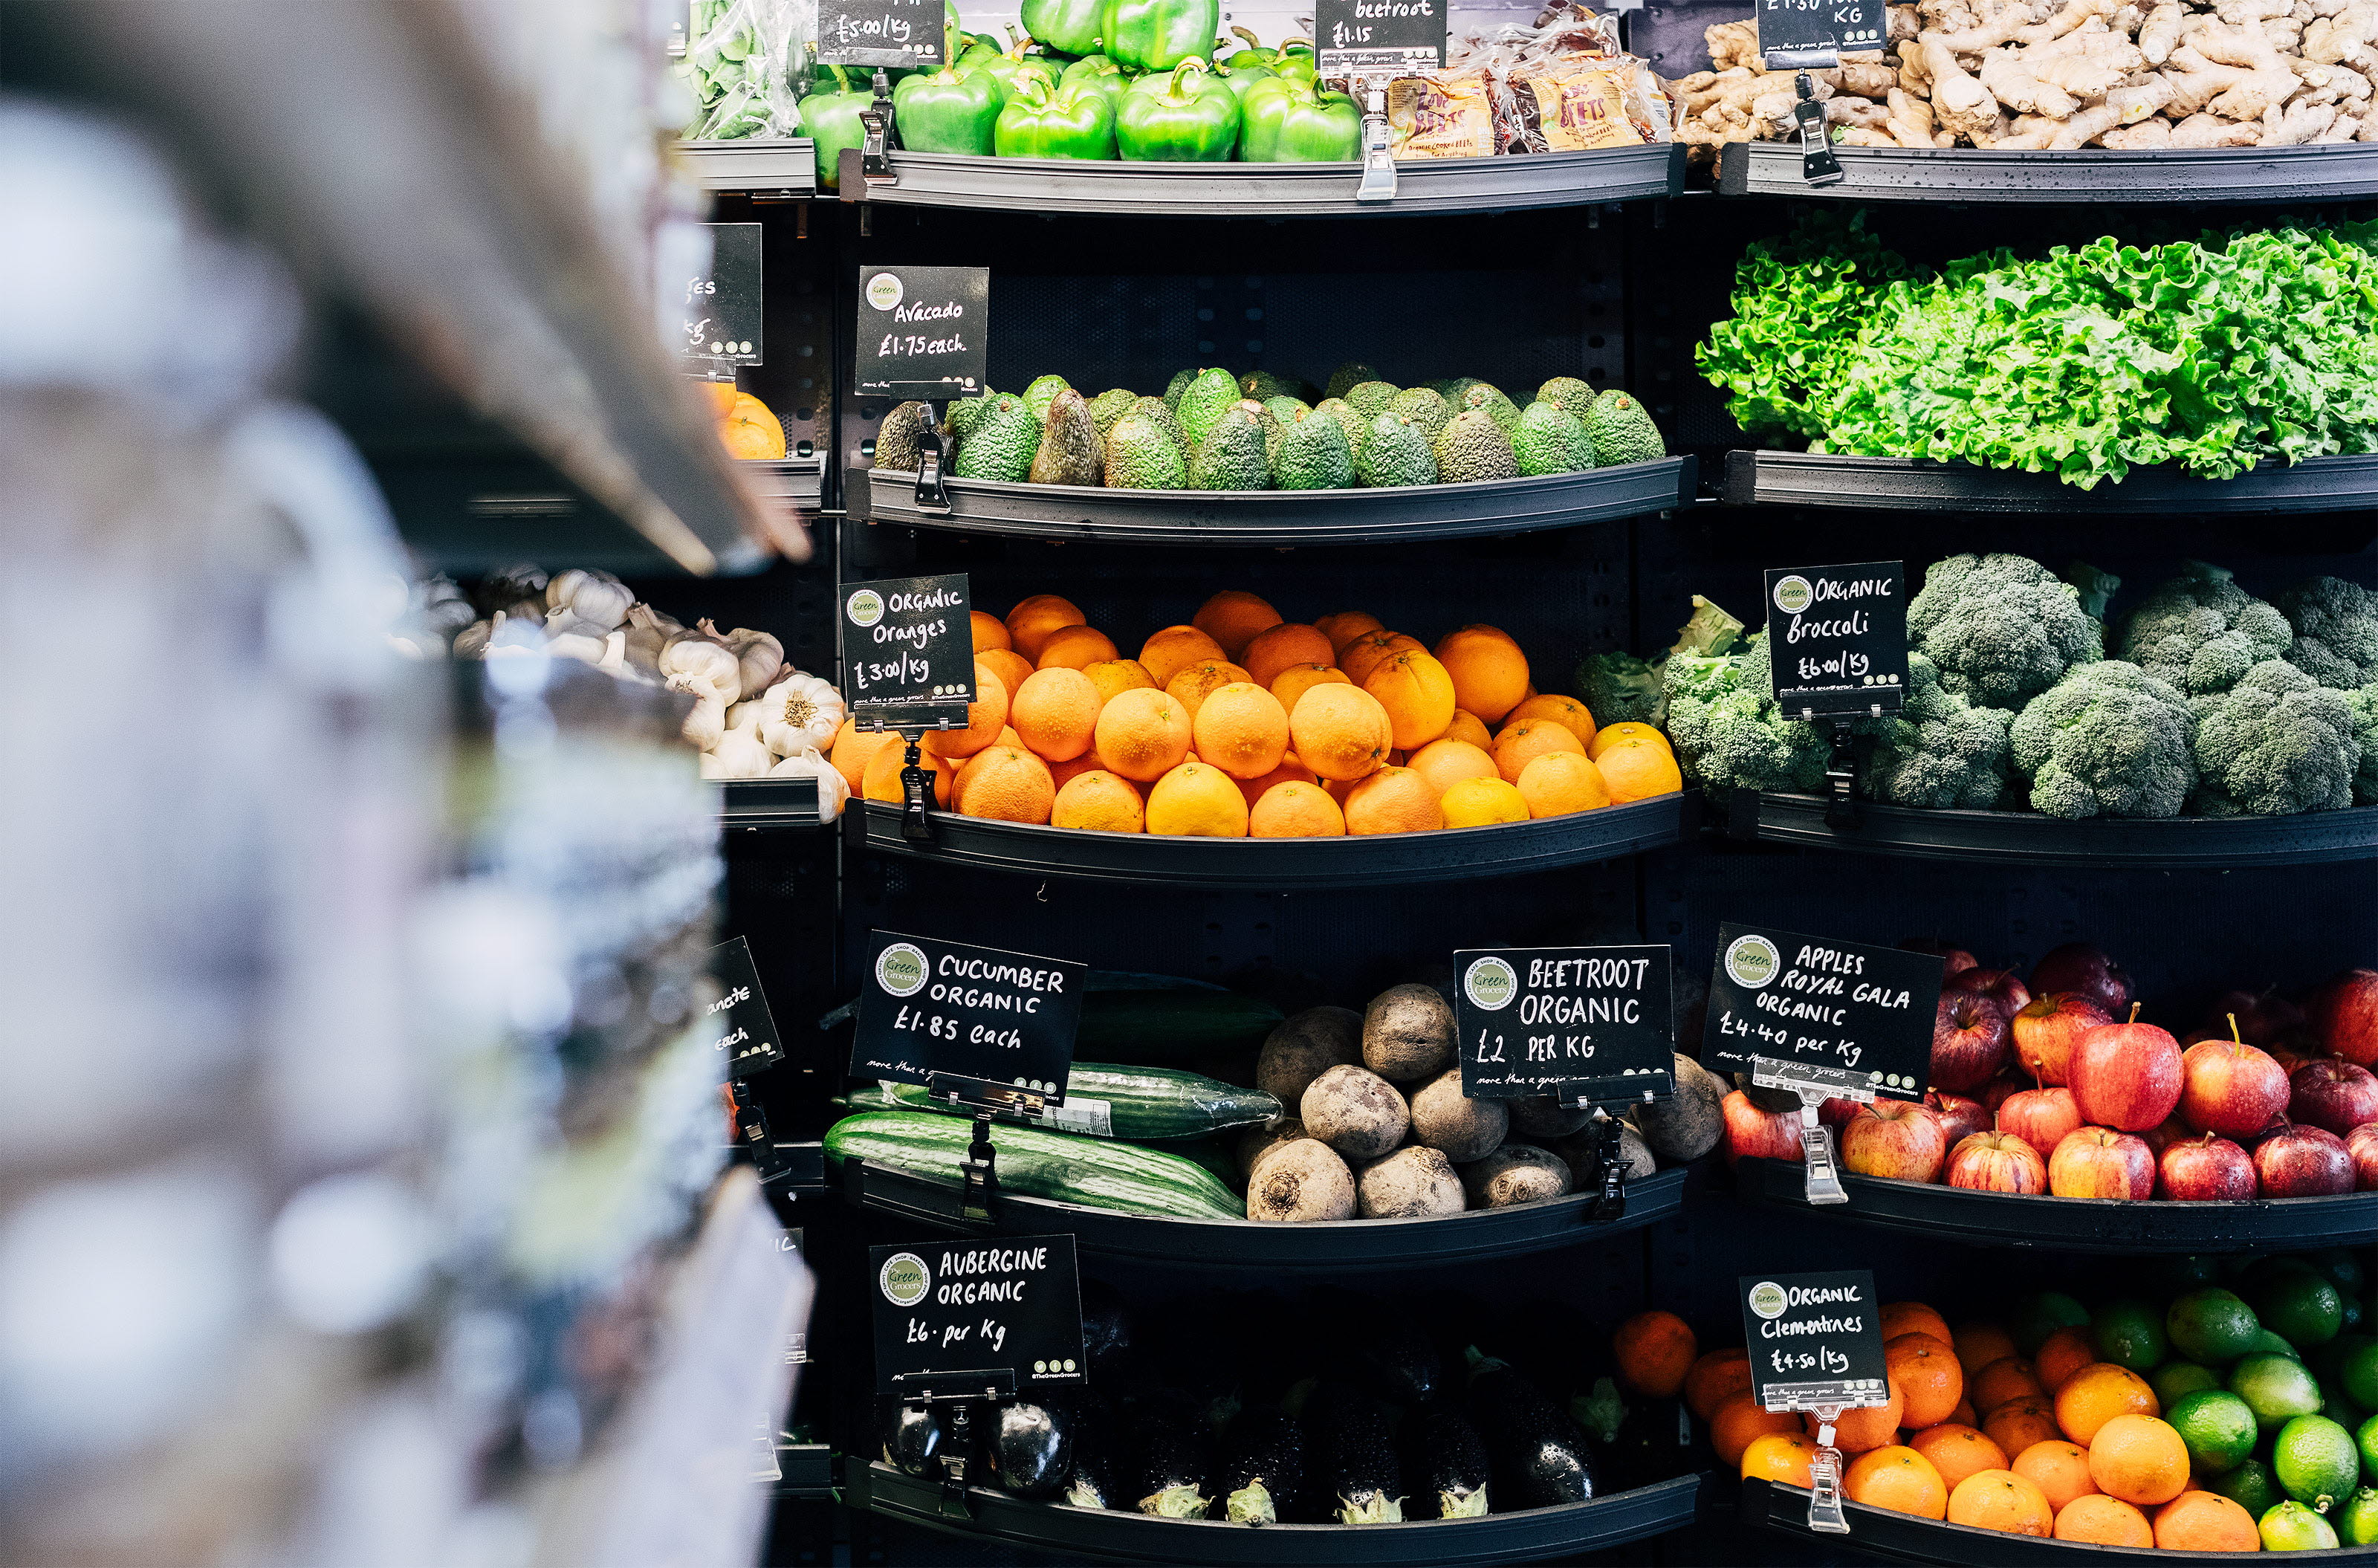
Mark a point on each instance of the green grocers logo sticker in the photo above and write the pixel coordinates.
(1766, 1299)
(1490, 983)
(902, 969)
(1752, 962)
(865, 608)
(1793, 594)
(905, 1279)
(883, 290)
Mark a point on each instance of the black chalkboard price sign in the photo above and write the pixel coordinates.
(1815, 1339)
(930, 1010)
(721, 306)
(907, 651)
(747, 1040)
(1367, 36)
(1811, 1012)
(1576, 1022)
(922, 333)
(1837, 638)
(1794, 34)
(962, 1319)
(881, 32)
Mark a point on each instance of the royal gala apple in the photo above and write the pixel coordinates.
(2342, 1017)
(2337, 1096)
(2362, 1144)
(2046, 1028)
(2165, 1133)
(1961, 1116)
(1997, 1092)
(2099, 1162)
(2209, 1168)
(1997, 1162)
(2259, 1019)
(2229, 1087)
(2125, 1076)
(2077, 966)
(1754, 1132)
(2041, 1118)
(2303, 1161)
(1970, 1041)
(2002, 986)
(1953, 960)
(1898, 1140)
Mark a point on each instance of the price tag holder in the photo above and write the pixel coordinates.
(722, 306)
(750, 1041)
(1837, 648)
(908, 661)
(923, 332)
(1829, 1020)
(1365, 44)
(1816, 1345)
(895, 34)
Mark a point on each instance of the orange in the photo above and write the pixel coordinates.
(1481, 803)
(2103, 1521)
(1636, 770)
(2060, 1355)
(986, 716)
(1417, 694)
(1006, 784)
(1392, 801)
(1980, 1343)
(1897, 1478)
(1714, 1377)
(1560, 783)
(1174, 649)
(1739, 1420)
(990, 631)
(751, 431)
(1344, 627)
(2009, 1377)
(2017, 1424)
(1197, 800)
(1063, 774)
(2206, 1521)
(1489, 672)
(1780, 1457)
(1874, 1427)
(1290, 770)
(1142, 736)
(1100, 802)
(1072, 647)
(1192, 684)
(1232, 618)
(1622, 733)
(1445, 763)
(1567, 712)
(1957, 1452)
(1114, 676)
(1030, 623)
(2138, 1459)
(1276, 648)
(1929, 1374)
(1339, 732)
(1241, 729)
(2000, 1500)
(1012, 668)
(1291, 809)
(1293, 682)
(1912, 1317)
(2060, 1469)
(1055, 713)
(722, 397)
(852, 749)
(2095, 1394)
(1363, 655)
(1964, 1413)
(883, 778)
(1007, 737)
(1654, 1351)
(1469, 727)
(1521, 744)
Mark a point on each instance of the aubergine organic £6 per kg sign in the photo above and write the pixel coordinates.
(951, 1009)
(1576, 1022)
(1849, 1018)
(945, 1310)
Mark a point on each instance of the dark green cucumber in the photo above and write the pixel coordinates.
(1141, 1102)
(1094, 1172)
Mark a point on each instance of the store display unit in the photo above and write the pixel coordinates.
(2162, 176)
(2028, 838)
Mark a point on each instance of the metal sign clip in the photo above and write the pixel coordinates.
(1818, 164)
(930, 495)
(1378, 169)
(874, 151)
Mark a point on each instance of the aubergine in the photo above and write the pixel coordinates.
(1263, 1467)
(1453, 1467)
(1032, 1449)
(1541, 1457)
(1384, 1351)
(1175, 1477)
(1096, 1478)
(912, 1439)
(1354, 1464)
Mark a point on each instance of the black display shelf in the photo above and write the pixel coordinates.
(765, 168)
(749, 805)
(1126, 189)
(797, 482)
(804, 1470)
(1506, 849)
(1291, 517)
(1336, 1246)
(1110, 1535)
(2027, 838)
(1830, 479)
(2073, 1224)
(2343, 171)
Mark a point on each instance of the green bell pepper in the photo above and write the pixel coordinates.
(1069, 25)
(950, 111)
(1291, 121)
(1297, 61)
(1238, 78)
(1185, 118)
(975, 50)
(1071, 122)
(831, 120)
(1096, 73)
(1015, 65)
(1156, 35)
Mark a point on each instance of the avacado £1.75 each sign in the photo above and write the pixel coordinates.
(922, 333)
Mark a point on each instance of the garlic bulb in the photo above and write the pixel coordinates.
(646, 636)
(599, 598)
(471, 643)
(737, 754)
(690, 653)
(760, 656)
(800, 711)
(702, 690)
(744, 716)
(833, 788)
(578, 643)
(564, 584)
(705, 724)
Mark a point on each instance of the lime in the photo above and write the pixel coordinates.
(2175, 1380)
(2217, 1426)
(2358, 1371)
(2343, 1269)
(2337, 1405)
(2276, 1388)
(2209, 1325)
(2366, 1438)
(2037, 1317)
(2129, 1334)
(2250, 1486)
(2293, 1527)
(2299, 1304)
(2316, 1462)
(2170, 1277)
(2329, 1359)
(2269, 1344)
(2357, 1521)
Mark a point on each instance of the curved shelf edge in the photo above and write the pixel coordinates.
(2338, 172)
(1114, 1536)
(797, 484)
(2073, 1224)
(1504, 849)
(1342, 1245)
(748, 805)
(1291, 517)
(765, 168)
(1834, 480)
(2024, 838)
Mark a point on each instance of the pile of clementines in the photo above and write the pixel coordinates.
(1240, 723)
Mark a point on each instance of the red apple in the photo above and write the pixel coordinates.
(2098, 1162)
(2362, 1144)
(2165, 1133)
(2002, 986)
(1754, 1131)
(2261, 1019)
(2290, 1058)
(1834, 1112)
(2041, 1118)
(1953, 959)
(2077, 966)
(1969, 1041)
(2333, 1095)
(1961, 1116)
(1896, 1139)
(2046, 1028)
(2229, 1087)
(1997, 1162)
(1995, 1092)
(2206, 1169)
(2342, 1015)
(2125, 1076)
(2303, 1161)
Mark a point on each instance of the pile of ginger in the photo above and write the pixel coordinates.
(2032, 74)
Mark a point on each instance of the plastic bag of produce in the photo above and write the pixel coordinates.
(746, 62)
(1443, 114)
(1563, 83)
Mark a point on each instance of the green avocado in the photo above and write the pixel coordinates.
(1042, 392)
(1569, 392)
(1424, 407)
(1548, 439)
(1345, 414)
(1110, 406)
(1001, 447)
(1314, 454)
(899, 440)
(1232, 457)
(1347, 377)
(1142, 455)
(1203, 402)
(1396, 451)
(1070, 450)
(1370, 399)
(1488, 397)
(1471, 447)
(1622, 431)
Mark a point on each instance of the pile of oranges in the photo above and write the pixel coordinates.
(1241, 724)
(745, 423)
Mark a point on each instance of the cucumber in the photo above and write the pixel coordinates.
(1093, 1172)
(1141, 1102)
(1169, 1024)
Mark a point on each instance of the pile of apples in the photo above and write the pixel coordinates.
(2052, 1084)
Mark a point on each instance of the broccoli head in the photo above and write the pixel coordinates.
(1939, 751)
(1620, 686)
(2203, 632)
(2108, 740)
(2362, 702)
(2277, 742)
(2001, 628)
(1727, 731)
(2335, 625)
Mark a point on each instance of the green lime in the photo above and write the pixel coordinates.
(2299, 1304)
(2269, 1344)
(2276, 1389)
(2037, 1317)
(2366, 1438)
(2217, 1426)
(2129, 1334)
(2293, 1527)
(2210, 1324)
(2343, 1269)
(2170, 1277)
(2175, 1380)
(2316, 1462)
(2249, 1486)
(2329, 1359)
(2358, 1371)
(2337, 1405)
(2357, 1522)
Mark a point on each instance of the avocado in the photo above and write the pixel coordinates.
(1263, 386)
(1473, 447)
(898, 439)
(1313, 454)
(1070, 450)
(1141, 456)
(1038, 396)
(1286, 408)
(1549, 439)
(1166, 421)
(967, 412)
(1569, 392)
(1347, 377)
(1488, 396)
(1452, 388)
(1344, 414)
(1423, 406)
(1232, 457)
(1370, 399)
(1266, 421)
(1622, 431)
(1396, 451)
(1001, 447)
(1178, 385)
(1201, 406)
(1110, 406)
